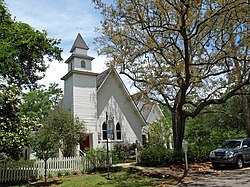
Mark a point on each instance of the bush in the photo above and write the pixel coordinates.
(156, 156)
(97, 157)
(59, 174)
(121, 152)
(5, 158)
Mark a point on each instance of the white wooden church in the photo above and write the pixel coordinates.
(101, 101)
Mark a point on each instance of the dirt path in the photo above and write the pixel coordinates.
(201, 175)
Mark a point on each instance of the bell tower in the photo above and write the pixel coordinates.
(80, 92)
(79, 59)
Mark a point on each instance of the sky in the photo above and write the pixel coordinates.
(62, 19)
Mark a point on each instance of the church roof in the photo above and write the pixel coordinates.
(146, 106)
(101, 77)
(79, 43)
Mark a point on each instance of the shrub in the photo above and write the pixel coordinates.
(67, 173)
(5, 158)
(121, 151)
(97, 157)
(59, 174)
(132, 148)
(156, 156)
(50, 175)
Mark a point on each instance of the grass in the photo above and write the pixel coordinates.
(123, 178)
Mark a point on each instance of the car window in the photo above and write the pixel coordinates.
(231, 144)
(248, 142)
(244, 143)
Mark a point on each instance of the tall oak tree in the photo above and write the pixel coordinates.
(184, 54)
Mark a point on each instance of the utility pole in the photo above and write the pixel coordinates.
(107, 125)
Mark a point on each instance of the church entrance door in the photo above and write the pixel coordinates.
(85, 143)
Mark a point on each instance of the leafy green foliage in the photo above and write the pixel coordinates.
(121, 152)
(208, 131)
(22, 51)
(22, 63)
(15, 128)
(156, 156)
(160, 133)
(45, 144)
(68, 129)
(40, 101)
(97, 158)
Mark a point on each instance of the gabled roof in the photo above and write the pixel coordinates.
(146, 107)
(79, 43)
(100, 79)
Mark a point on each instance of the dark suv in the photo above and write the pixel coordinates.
(235, 152)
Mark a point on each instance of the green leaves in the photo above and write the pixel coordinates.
(45, 144)
(15, 128)
(40, 101)
(22, 51)
(68, 129)
(19, 115)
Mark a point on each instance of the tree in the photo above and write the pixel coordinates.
(70, 130)
(184, 54)
(46, 145)
(22, 63)
(160, 133)
(22, 51)
(209, 130)
(40, 101)
(15, 128)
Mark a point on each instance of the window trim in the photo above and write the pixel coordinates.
(83, 64)
(118, 130)
(104, 131)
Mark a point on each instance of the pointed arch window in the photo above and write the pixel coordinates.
(118, 131)
(83, 64)
(104, 131)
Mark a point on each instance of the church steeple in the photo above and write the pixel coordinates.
(79, 59)
(79, 43)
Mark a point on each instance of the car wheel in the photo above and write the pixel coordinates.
(239, 162)
(216, 165)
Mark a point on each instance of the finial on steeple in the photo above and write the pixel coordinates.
(79, 43)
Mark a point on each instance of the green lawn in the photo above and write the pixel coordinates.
(117, 179)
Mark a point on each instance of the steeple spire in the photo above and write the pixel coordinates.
(79, 43)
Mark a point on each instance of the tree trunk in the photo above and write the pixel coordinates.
(178, 126)
(45, 171)
(246, 112)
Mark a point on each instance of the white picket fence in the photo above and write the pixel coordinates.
(18, 171)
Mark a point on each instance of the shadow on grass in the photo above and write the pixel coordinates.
(129, 177)
(34, 183)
